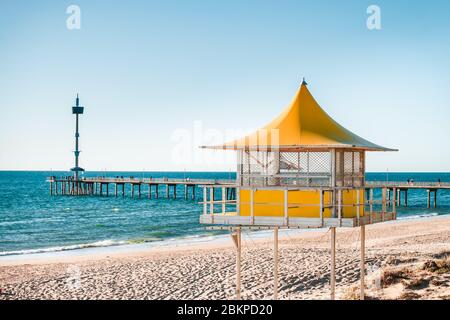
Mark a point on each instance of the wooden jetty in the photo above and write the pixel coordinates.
(390, 190)
(101, 186)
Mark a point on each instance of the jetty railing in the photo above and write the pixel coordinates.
(161, 180)
(143, 180)
(423, 184)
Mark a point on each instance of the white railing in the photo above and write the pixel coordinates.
(212, 214)
(145, 180)
(209, 202)
(406, 184)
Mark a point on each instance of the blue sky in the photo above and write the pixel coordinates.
(146, 70)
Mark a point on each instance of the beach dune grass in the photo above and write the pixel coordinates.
(439, 266)
(394, 276)
(409, 278)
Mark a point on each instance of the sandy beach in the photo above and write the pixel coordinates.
(406, 259)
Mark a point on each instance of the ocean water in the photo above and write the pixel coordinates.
(32, 221)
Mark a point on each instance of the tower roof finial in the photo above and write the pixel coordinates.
(304, 82)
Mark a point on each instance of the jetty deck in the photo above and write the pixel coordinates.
(394, 190)
(398, 190)
(100, 186)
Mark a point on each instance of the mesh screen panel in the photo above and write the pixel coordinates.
(262, 168)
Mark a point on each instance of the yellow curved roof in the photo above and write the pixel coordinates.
(302, 125)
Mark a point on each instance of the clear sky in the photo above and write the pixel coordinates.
(158, 78)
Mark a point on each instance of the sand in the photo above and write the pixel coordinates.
(207, 271)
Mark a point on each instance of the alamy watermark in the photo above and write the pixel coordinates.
(374, 19)
(374, 272)
(73, 21)
(186, 148)
(73, 281)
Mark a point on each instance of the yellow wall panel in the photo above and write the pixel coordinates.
(301, 203)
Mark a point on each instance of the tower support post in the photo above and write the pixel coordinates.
(237, 240)
(333, 263)
(275, 263)
(362, 261)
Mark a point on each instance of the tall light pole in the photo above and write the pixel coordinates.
(77, 110)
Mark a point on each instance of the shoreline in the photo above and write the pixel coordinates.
(207, 270)
(172, 245)
(175, 244)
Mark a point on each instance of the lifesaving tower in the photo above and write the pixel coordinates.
(302, 170)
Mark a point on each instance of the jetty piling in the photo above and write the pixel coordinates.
(429, 192)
